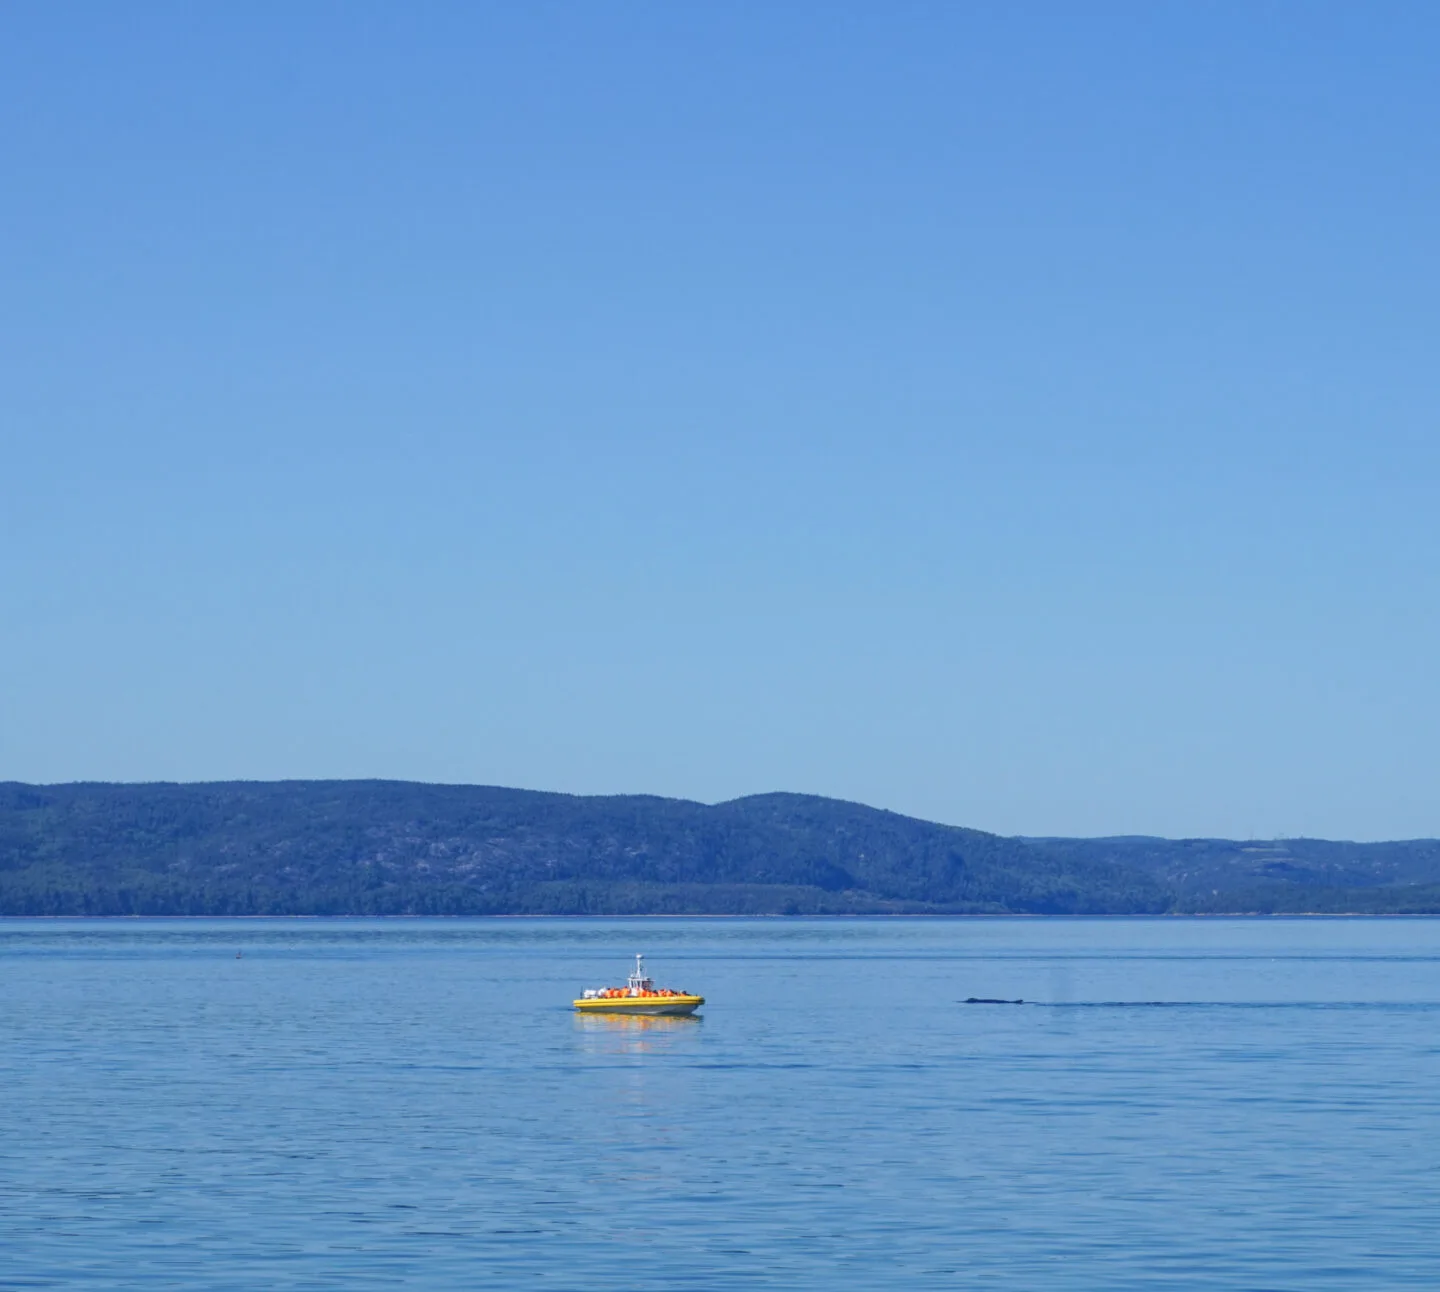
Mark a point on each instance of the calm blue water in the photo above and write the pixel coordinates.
(1196, 1104)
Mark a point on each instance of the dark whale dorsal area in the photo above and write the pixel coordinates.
(402, 848)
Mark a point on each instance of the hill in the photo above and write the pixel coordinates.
(398, 848)
(1273, 876)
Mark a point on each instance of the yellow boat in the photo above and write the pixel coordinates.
(638, 996)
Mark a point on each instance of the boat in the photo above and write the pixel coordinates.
(639, 995)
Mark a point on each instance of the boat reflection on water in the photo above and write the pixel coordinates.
(637, 1022)
(634, 1033)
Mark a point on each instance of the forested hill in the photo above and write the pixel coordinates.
(398, 848)
(1275, 875)
(393, 848)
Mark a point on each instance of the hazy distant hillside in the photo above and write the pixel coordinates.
(1208, 875)
(392, 848)
(387, 847)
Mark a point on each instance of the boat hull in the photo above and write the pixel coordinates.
(641, 1005)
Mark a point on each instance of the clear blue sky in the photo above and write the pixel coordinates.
(1017, 415)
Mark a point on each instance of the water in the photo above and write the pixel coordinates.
(1245, 1104)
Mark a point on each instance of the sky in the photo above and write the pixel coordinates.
(1021, 416)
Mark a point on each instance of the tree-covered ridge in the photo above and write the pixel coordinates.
(387, 847)
(1320, 875)
(399, 848)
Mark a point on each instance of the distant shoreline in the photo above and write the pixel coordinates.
(873, 916)
(405, 850)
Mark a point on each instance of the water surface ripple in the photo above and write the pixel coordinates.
(1196, 1104)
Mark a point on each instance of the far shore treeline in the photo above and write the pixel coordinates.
(398, 848)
